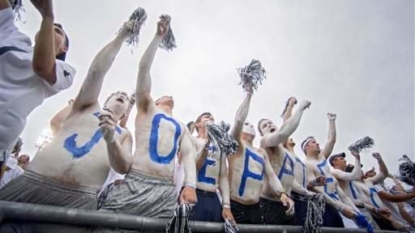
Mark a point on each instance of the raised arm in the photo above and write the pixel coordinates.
(240, 118)
(4, 4)
(60, 117)
(354, 175)
(383, 170)
(287, 128)
(44, 55)
(328, 147)
(143, 87)
(91, 87)
(288, 111)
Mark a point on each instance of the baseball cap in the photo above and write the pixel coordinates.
(334, 156)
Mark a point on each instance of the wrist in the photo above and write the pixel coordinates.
(226, 206)
(190, 185)
(48, 16)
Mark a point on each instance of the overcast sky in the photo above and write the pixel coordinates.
(354, 58)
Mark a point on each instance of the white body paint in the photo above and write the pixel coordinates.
(91, 170)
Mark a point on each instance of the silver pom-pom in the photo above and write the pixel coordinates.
(180, 221)
(17, 7)
(229, 228)
(316, 206)
(219, 136)
(252, 75)
(362, 144)
(169, 42)
(138, 17)
(407, 170)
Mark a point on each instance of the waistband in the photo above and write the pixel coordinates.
(206, 193)
(268, 201)
(298, 197)
(239, 205)
(55, 185)
(136, 175)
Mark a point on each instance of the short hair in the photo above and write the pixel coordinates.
(305, 143)
(259, 125)
(200, 117)
(189, 125)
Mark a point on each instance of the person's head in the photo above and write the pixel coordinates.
(18, 147)
(118, 103)
(310, 146)
(248, 132)
(338, 161)
(23, 161)
(266, 126)
(202, 119)
(165, 101)
(289, 143)
(61, 42)
(191, 126)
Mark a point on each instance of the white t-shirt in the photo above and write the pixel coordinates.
(21, 89)
(13, 172)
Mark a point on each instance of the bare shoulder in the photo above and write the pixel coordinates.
(262, 151)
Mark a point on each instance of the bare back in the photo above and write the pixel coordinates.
(78, 153)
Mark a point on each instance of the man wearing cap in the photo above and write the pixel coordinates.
(250, 171)
(346, 176)
(273, 209)
(316, 164)
(28, 75)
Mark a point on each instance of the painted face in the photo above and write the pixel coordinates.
(267, 126)
(118, 103)
(165, 100)
(248, 128)
(313, 146)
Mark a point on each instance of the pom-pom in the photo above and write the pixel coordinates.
(407, 170)
(362, 144)
(169, 42)
(229, 228)
(180, 221)
(138, 17)
(219, 136)
(316, 205)
(252, 75)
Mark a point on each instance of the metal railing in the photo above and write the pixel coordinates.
(20, 212)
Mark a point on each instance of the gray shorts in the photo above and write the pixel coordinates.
(142, 195)
(37, 189)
